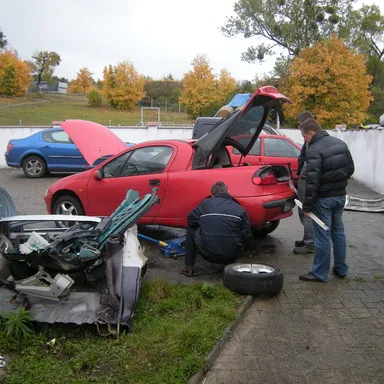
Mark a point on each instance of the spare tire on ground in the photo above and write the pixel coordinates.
(253, 279)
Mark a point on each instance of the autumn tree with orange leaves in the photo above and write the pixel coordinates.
(123, 86)
(83, 82)
(202, 92)
(15, 76)
(330, 80)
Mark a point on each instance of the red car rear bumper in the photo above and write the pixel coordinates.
(263, 209)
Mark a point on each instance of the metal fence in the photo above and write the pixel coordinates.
(175, 125)
(12, 107)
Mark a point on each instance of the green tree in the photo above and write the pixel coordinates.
(163, 90)
(245, 86)
(288, 24)
(99, 84)
(8, 80)
(368, 32)
(3, 41)
(60, 79)
(95, 98)
(44, 64)
(368, 38)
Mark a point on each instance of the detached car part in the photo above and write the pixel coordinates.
(104, 253)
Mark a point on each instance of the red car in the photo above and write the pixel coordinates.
(270, 149)
(182, 171)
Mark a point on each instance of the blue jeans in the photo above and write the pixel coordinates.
(330, 211)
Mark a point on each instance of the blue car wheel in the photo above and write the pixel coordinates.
(34, 166)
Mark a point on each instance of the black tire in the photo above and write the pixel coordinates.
(268, 228)
(69, 204)
(253, 279)
(34, 167)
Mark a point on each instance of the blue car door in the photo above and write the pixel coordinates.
(61, 153)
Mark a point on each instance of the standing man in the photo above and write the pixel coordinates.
(307, 245)
(219, 229)
(329, 166)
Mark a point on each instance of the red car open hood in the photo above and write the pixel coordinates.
(93, 140)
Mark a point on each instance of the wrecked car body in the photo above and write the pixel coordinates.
(88, 273)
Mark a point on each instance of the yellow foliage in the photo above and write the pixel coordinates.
(83, 82)
(331, 81)
(75, 87)
(227, 85)
(202, 92)
(15, 76)
(123, 87)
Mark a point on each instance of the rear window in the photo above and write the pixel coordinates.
(57, 137)
(246, 126)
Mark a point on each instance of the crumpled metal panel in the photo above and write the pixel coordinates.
(364, 205)
(112, 302)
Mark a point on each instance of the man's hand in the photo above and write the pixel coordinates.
(307, 214)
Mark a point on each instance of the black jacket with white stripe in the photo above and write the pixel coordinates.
(223, 227)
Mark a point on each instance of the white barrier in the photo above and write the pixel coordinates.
(366, 146)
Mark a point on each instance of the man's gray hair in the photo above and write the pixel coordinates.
(301, 117)
(219, 187)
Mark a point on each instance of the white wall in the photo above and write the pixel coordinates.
(367, 147)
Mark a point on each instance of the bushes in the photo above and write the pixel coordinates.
(94, 99)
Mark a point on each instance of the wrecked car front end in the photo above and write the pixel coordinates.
(90, 273)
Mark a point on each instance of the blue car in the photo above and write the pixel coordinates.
(50, 150)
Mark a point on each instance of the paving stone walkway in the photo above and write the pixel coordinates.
(314, 332)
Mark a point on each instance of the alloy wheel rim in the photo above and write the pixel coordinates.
(34, 167)
(253, 268)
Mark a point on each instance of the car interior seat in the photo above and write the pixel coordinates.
(221, 159)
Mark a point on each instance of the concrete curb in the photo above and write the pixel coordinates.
(197, 377)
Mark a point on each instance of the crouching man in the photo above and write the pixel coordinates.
(219, 229)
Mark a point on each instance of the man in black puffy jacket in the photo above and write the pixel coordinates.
(329, 166)
(219, 229)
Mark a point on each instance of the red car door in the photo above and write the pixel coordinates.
(253, 157)
(141, 169)
(280, 150)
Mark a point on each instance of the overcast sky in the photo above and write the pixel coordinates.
(158, 36)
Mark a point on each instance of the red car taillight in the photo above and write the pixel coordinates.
(265, 178)
(10, 147)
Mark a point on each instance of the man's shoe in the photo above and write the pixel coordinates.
(338, 274)
(305, 249)
(299, 243)
(310, 277)
(187, 271)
